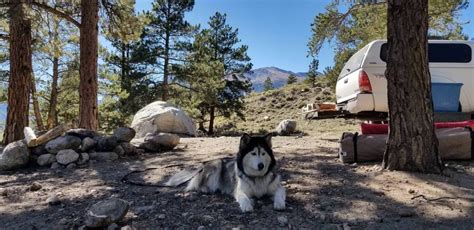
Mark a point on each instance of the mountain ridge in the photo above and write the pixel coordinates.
(277, 75)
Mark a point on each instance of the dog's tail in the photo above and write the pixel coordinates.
(182, 177)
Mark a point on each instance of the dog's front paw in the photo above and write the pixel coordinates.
(279, 205)
(246, 206)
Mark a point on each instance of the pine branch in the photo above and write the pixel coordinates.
(57, 12)
(5, 37)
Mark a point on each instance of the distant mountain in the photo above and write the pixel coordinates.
(278, 77)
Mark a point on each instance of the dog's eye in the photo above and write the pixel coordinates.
(263, 154)
(254, 154)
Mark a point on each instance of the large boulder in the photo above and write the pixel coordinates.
(15, 155)
(63, 142)
(161, 116)
(286, 127)
(106, 212)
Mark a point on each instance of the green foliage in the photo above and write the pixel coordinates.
(364, 22)
(123, 23)
(167, 37)
(291, 79)
(68, 98)
(126, 84)
(267, 84)
(312, 72)
(214, 73)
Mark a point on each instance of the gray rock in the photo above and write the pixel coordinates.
(67, 156)
(161, 116)
(283, 220)
(87, 144)
(53, 200)
(106, 212)
(286, 127)
(15, 155)
(124, 134)
(46, 159)
(113, 226)
(83, 158)
(119, 150)
(103, 156)
(35, 186)
(55, 165)
(83, 133)
(71, 166)
(129, 149)
(63, 142)
(107, 143)
(157, 142)
(39, 150)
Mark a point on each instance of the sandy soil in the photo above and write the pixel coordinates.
(322, 192)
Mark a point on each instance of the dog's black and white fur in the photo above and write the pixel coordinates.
(250, 175)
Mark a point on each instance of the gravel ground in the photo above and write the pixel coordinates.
(322, 193)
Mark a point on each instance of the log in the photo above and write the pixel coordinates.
(454, 144)
(51, 134)
(30, 136)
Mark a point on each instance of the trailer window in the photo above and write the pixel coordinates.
(354, 63)
(437, 52)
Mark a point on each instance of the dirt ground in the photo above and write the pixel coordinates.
(322, 193)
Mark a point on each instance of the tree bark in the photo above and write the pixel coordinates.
(20, 72)
(412, 143)
(36, 107)
(88, 110)
(212, 116)
(53, 101)
(166, 58)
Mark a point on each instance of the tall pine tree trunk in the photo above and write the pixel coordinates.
(36, 107)
(412, 143)
(20, 72)
(53, 101)
(164, 96)
(212, 116)
(88, 110)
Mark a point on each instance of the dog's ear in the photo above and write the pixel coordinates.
(268, 139)
(245, 140)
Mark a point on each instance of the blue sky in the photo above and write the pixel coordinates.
(276, 31)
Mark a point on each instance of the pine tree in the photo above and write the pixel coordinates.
(312, 72)
(20, 72)
(291, 79)
(412, 144)
(167, 35)
(214, 73)
(267, 84)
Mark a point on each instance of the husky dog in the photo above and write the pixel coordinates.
(250, 175)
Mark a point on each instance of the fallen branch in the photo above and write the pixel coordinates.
(435, 199)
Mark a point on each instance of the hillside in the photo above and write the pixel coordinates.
(278, 77)
(266, 109)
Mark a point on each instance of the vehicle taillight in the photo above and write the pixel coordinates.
(364, 83)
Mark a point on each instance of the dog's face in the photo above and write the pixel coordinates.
(255, 157)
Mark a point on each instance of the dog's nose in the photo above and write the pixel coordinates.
(260, 166)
